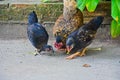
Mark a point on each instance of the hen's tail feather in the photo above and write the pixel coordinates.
(32, 18)
(95, 23)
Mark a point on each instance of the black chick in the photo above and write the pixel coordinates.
(78, 40)
(37, 34)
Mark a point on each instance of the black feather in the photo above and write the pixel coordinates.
(32, 18)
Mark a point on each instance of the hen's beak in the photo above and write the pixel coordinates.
(68, 52)
(68, 49)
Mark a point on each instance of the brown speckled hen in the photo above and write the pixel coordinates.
(70, 20)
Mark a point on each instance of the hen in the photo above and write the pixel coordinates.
(70, 20)
(37, 34)
(78, 40)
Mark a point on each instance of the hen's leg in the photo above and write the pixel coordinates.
(83, 52)
(37, 51)
(73, 55)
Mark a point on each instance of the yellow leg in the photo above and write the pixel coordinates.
(83, 52)
(73, 55)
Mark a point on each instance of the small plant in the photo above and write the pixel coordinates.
(115, 13)
(89, 4)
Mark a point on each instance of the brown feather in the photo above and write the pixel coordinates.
(68, 25)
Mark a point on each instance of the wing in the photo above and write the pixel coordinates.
(37, 35)
(84, 37)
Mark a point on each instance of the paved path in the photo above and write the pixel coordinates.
(17, 63)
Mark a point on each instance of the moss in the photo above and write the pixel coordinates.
(4, 6)
(20, 11)
(45, 11)
(49, 12)
(4, 14)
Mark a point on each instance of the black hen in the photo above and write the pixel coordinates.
(78, 40)
(37, 34)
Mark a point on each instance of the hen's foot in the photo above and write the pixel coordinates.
(37, 51)
(73, 56)
(82, 53)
